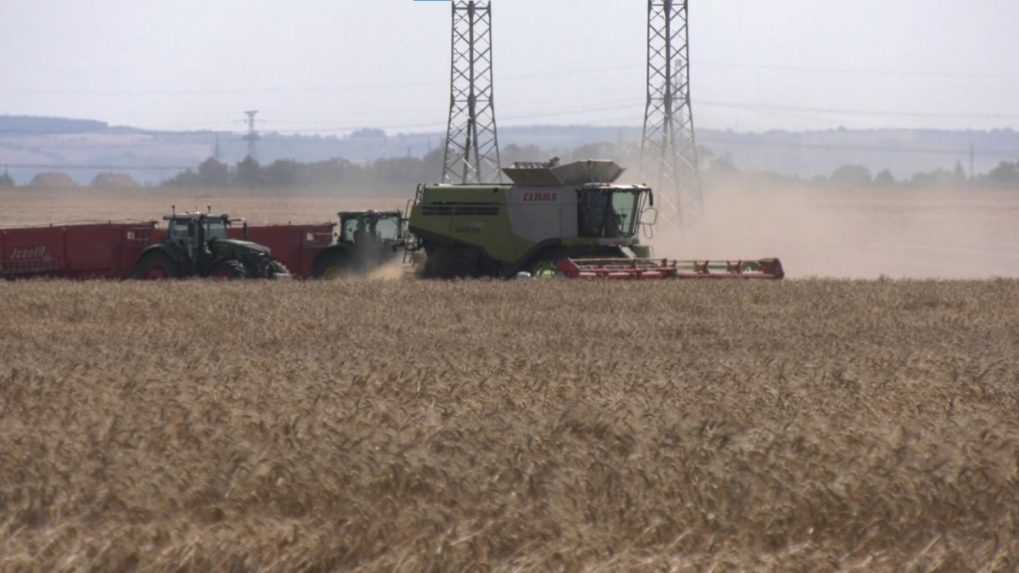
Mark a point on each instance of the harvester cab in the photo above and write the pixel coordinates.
(571, 220)
(366, 240)
(198, 244)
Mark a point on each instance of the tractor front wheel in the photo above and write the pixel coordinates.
(332, 265)
(231, 269)
(278, 270)
(156, 266)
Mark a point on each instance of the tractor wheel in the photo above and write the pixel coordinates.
(156, 266)
(230, 269)
(332, 265)
(278, 270)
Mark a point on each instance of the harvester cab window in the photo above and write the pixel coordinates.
(624, 205)
(606, 214)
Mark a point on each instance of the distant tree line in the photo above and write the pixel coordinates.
(1005, 175)
(249, 173)
(402, 171)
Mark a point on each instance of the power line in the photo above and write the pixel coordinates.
(852, 111)
(559, 73)
(96, 167)
(954, 152)
(624, 104)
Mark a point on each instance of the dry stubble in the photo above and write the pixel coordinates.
(413, 425)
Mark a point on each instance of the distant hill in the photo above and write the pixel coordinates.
(85, 148)
(23, 125)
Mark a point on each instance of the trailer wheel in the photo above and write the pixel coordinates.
(230, 269)
(156, 266)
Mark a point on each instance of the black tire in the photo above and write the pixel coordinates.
(156, 266)
(332, 265)
(545, 269)
(546, 265)
(278, 270)
(230, 269)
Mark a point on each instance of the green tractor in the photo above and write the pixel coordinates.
(199, 245)
(366, 241)
(549, 213)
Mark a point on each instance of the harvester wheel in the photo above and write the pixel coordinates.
(545, 269)
(156, 266)
(452, 263)
(229, 270)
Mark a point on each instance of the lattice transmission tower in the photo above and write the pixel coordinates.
(669, 146)
(472, 141)
(252, 136)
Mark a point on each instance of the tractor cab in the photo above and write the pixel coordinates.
(371, 229)
(366, 241)
(197, 227)
(195, 231)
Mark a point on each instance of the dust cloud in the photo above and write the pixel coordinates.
(392, 271)
(849, 233)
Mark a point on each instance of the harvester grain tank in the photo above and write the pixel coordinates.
(572, 220)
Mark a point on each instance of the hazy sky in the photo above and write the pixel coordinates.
(333, 65)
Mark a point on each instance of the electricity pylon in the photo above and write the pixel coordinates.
(252, 136)
(472, 142)
(669, 146)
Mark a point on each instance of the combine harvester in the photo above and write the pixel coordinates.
(571, 221)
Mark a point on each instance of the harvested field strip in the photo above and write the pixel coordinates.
(809, 425)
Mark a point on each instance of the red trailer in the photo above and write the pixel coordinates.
(101, 250)
(296, 246)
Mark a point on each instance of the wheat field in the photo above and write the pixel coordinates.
(509, 426)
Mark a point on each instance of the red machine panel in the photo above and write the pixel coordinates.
(296, 246)
(73, 251)
(28, 252)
